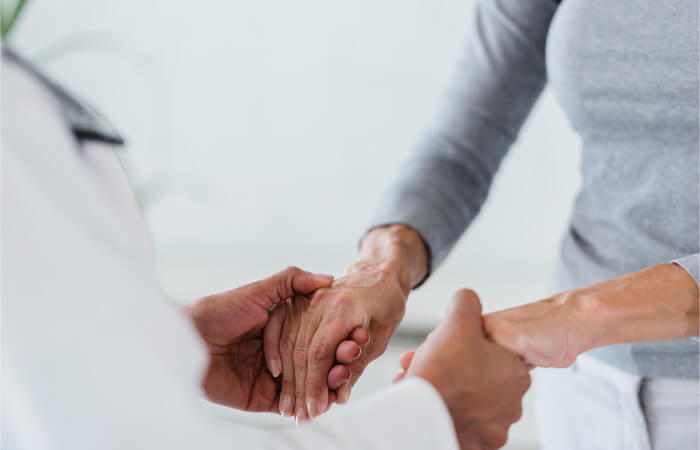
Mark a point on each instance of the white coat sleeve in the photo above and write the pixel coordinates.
(406, 416)
(94, 357)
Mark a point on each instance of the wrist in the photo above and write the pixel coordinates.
(655, 304)
(397, 250)
(591, 320)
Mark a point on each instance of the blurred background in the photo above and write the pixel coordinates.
(261, 134)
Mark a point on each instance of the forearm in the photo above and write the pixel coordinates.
(399, 251)
(655, 304)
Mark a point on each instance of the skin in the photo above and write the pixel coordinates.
(231, 324)
(654, 304)
(481, 383)
(294, 320)
(371, 296)
(657, 303)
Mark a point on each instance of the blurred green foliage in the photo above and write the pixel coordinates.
(9, 15)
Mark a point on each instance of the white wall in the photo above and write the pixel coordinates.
(262, 133)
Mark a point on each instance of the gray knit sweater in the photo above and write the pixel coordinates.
(626, 75)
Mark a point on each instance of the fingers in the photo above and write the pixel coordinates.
(271, 339)
(356, 368)
(344, 391)
(493, 436)
(406, 358)
(300, 357)
(286, 346)
(321, 357)
(465, 311)
(405, 363)
(337, 376)
(331, 400)
(399, 377)
(347, 352)
(360, 335)
(293, 280)
(350, 350)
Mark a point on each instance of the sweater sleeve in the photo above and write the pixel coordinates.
(690, 264)
(441, 188)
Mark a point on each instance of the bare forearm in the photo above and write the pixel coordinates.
(655, 304)
(398, 250)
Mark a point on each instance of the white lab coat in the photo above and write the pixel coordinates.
(93, 356)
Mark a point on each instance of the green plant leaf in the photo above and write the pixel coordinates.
(8, 20)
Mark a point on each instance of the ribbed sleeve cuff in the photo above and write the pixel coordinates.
(436, 234)
(691, 264)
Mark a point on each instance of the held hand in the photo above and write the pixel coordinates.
(288, 319)
(365, 299)
(231, 325)
(481, 383)
(654, 304)
(546, 333)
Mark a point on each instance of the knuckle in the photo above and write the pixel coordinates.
(526, 382)
(521, 342)
(500, 440)
(343, 299)
(314, 387)
(508, 334)
(356, 369)
(466, 294)
(397, 308)
(464, 291)
(500, 329)
(518, 414)
(291, 270)
(300, 357)
(287, 345)
(318, 352)
(288, 385)
(496, 438)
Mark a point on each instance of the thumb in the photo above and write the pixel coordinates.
(293, 280)
(465, 311)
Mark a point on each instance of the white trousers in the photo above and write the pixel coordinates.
(594, 406)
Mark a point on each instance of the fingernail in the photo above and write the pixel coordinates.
(312, 406)
(286, 405)
(324, 275)
(275, 367)
(345, 395)
(301, 416)
(357, 354)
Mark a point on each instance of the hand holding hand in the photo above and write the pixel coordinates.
(231, 325)
(481, 383)
(546, 333)
(311, 339)
(654, 304)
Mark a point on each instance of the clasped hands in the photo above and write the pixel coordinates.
(304, 338)
(296, 342)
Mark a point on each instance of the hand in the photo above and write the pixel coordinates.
(481, 383)
(231, 325)
(365, 300)
(370, 296)
(545, 333)
(287, 319)
(654, 304)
